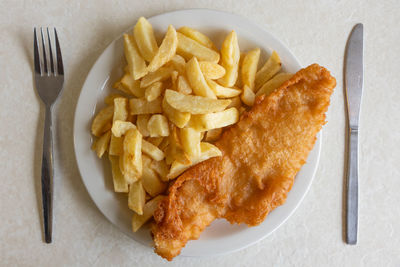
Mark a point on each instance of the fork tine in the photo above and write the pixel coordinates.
(60, 66)
(36, 53)
(44, 52)
(50, 52)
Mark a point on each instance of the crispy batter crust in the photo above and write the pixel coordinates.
(261, 156)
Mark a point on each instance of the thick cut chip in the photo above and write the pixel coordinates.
(145, 39)
(153, 91)
(174, 79)
(213, 135)
(142, 106)
(141, 123)
(197, 36)
(136, 64)
(211, 70)
(248, 96)
(178, 63)
(158, 126)
(116, 144)
(120, 185)
(131, 159)
(131, 85)
(155, 140)
(177, 117)
(148, 211)
(120, 127)
(109, 100)
(183, 86)
(230, 56)
(153, 151)
(102, 119)
(249, 67)
(235, 102)
(270, 68)
(100, 145)
(159, 75)
(207, 151)
(197, 80)
(166, 50)
(120, 109)
(210, 121)
(221, 91)
(151, 183)
(190, 139)
(161, 168)
(136, 197)
(189, 48)
(195, 104)
(174, 151)
(274, 83)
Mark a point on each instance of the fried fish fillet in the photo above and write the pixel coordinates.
(261, 156)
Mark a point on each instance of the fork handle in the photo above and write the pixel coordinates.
(352, 189)
(47, 176)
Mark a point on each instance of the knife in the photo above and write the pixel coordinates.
(353, 71)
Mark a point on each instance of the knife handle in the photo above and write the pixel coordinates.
(352, 189)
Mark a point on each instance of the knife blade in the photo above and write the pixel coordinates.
(354, 80)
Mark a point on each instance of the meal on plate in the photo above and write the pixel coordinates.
(198, 133)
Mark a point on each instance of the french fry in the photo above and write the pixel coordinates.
(141, 106)
(195, 104)
(197, 81)
(235, 102)
(270, 68)
(183, 86)
(164, 144)
(155, 140)
(148, 211)
(136, 65)
(151, 183)
(274, 83)
(118, 85)
(158, 126)
(174, 151)
(145, 39)
(190, 139)
(120, 127)
(161, 168)
(249, 68)
(103, 118)
(109, 100)
(221, 91)
(248, 96)
(210, 121)
(197, 36)
(207, 151)
(101, 144)
(131, 159)
(230, 55)
(178, 63)
(189, 48)
(166, 50)
(141, 123)
(136, 197)
(174, 79)
(153, 91)
(159, 75)
(213, 135)
(132, 86)
(120, 185)
(120, 109)
(116, 144)
(180, 119)
(152, 151)
(211, 70)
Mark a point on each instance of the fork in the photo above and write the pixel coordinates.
(49, 81)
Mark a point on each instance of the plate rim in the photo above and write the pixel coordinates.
(317, 145)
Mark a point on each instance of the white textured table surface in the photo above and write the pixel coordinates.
(315, 31)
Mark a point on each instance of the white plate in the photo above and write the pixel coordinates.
(220, 237)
